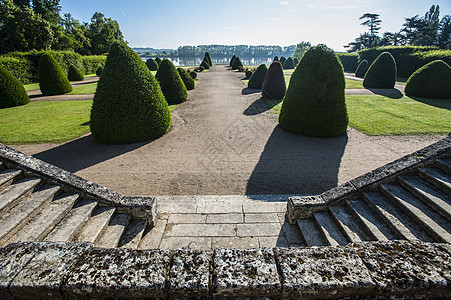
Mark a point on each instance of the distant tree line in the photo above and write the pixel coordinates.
(428, 30)
(27, 25)
(238, 50)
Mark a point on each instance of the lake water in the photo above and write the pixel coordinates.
(195, 61)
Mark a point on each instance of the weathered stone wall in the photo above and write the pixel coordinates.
(398, 269)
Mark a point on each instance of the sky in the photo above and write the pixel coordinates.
(172, 23)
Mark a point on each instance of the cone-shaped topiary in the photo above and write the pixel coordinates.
(362, 69)
(193, 74)
(152, 64)
(274, 85)
(231, 60)
(52, 80)
(237, 63)
(382, 72)
(99, 71)
(289, 64)
(12, 92)
(276, 58)
(128, 105)
(314, 104)
(296, 61)
(432, 80)
(248, 74)
(173, 88)
(282, 60)
(205, 64)
(256, 80)
(75, 74)
(207, 55)
(186, 78)
(158, 60)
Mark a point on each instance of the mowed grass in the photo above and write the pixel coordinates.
(379, 115)
(84, 89)
(46, 122)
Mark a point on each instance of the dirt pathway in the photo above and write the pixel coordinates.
(224, 141)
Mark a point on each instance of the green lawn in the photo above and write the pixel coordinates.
(46, 122)
(379, 115)
(84, 89)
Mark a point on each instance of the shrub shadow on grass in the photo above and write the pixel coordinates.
(292, 164)
(260, 106)
(390, 93)
(84, 152)
(248, 91)
(439, 103)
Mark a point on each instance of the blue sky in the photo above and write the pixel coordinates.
(173, 23)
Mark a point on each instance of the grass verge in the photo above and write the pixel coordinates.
(46, 122)
(84, 89)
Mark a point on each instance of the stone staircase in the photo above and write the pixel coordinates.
(414, 203)
(37, 207)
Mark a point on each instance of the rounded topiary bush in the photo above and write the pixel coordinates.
(128, 104)
(205, 64)
(276, 58)
(257, 78)
(289, 64)
(362, 69)
(314, 104)
(231, 60)
(296, 61)
(248, 74)
(99, 71)
(52, 80)
(382, 72)
(193, 74)
(237, 63)
(173, 88)
(75, 74)
(432, 80)
(274, 85)
(200, 69)
(12, 92)
(152, 64)
(158, 60)
(186, 78)
(282, 60)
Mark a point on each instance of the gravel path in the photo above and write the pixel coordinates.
(224, 141)
(36, 95)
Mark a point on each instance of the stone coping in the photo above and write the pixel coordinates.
(396, 269)
(304, 206)
(140, 207)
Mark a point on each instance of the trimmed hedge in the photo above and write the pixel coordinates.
(193, 74)
(99, 71)
(276, 58)
(314, 104)
(370, 54)
(158, 60)
(128, 105)
(433, 80)
(186, 78)
(91, 63)
(237, 63)
(349, 61)
(207, 55)
(282, 60)
(231, 60)
(248, 74)
(173, 88)
(257, 78)
(74, 74)
(274, 85)
(289, 64)
(409, 63)
(205, 64)
(152, 64)
(21, 68)
(381, 73)
(296, 61)
(52, 79)
(362, 69)
(12, 92)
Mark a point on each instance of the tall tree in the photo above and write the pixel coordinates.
(102, 32)
(301, 48)
(444, 36)
(410, 29)
(48, 9)
(428, 27)
(373, 23)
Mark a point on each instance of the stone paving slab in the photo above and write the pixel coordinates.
(203, 243)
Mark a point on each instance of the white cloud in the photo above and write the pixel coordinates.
(336, 4)
(284, 3)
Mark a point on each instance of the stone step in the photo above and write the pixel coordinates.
(437, 177)
(311, 232)
(396, 218)
(39, 226)
(444, 164)
(11, 222)
(377, 228)
(12, 194)
(436, 226)
(435, 198)
(96, 224)
(331, 230)
(113, 232)
(7, 177)
(133, 234)
(353, 228)
(69, 226)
